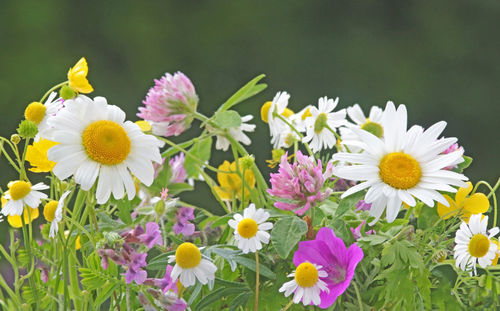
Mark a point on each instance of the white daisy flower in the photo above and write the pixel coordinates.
(95, 140)
(317, 133)
(237, 133)
(372, 124)
(401, 167)
(190, 265)
(278, 129)
(22, 193)
(250, 229)
(40, 114)
(474, 244)
(53, 213)
(307, 284)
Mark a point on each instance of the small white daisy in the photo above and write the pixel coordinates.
(317, 133)
(237, 133)
(372, 124)
(402, 166)
(190, 265)
(306, 284)
(22, 193)
(250, 229)
(474, 245)
(278, 129)
(40, 114)
(53, 213)
(95, 140)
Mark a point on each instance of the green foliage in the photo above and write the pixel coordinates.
(200, 150)
(286, 233)
(250, 89)
(227, 119)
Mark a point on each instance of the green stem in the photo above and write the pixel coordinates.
(27, 246)
(358, 296)
(288, 305)
(256, 280)
(7, 156)
(338, 138)
(296, 131)
(52, 89)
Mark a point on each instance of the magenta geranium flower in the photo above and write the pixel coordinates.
(169, 105)
(299, 186)
(330, 252)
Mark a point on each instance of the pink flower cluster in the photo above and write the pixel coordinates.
(299, 186)
(170, 104)
(127, 256)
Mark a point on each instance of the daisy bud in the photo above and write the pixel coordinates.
(247, 162)
(15, 139)
(27, 129)
(66, 92)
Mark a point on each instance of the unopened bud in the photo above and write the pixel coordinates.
(247, 162)
(15, 139)
(66, 92)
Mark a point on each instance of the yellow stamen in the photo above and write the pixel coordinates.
(49, 210)
(247, 228)
(479, 245)
(400, 170)
(35, 112)
(306, 275)
(19, 189)
(187, 255)
(106, 142)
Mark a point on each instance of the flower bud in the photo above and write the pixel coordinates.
(15, 139)
(27, 129)
(247, 162)
(160, 207)
(66, 92)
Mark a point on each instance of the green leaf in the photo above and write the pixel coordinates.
(105, 292)
(250, 264)
(465, 164)
(174, 189)
(227, 119)
(216, 295)
(348, 203)
(286, 233)
(200, 150)
(248, 90)
(239, 300)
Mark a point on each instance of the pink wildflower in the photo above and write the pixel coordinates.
(300, 184)
(179, 174)
(356, 232)
(450, 149)
(169, 105)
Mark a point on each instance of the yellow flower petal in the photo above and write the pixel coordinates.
(445, 211)
(477, 203)
(36, 155)
(462, 193)
(495, 260)
(77, 77)
(231, 183)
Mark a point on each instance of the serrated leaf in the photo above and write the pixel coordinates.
(248, 90)
(286, 233)
(227, 119)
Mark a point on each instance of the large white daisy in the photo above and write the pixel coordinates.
(22, 193)
(474, 244)
(250, 229)
(237, 133)
(95, 140)
(306, 284)
(402, 166)
(191, 266)
(322, 121)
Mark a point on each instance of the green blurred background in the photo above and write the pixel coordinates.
(440, 58)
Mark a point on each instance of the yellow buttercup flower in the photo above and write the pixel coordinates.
(231, 184)
(36, 155)
(465, 206)
(78, 245)
(16, 221)
(77, 77)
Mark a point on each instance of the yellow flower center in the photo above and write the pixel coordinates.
(400, 170)
(306, 275)
(372, 127)
(264, 112)
(479, 245)
(35, 112)
(320, 123)
(247, 228)
(306, 114)
(19, 189)
(187, 255)
(49, 210)
(106, 142)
